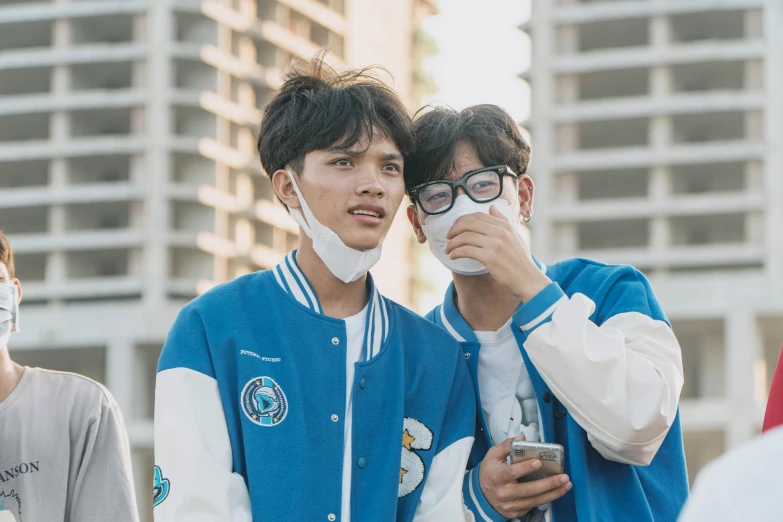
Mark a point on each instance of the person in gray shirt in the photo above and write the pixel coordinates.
(64, 451)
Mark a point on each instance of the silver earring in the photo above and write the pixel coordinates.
(528, 218)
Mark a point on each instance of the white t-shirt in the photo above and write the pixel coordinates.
(64, 452)
(743, 484)
(507, 395)
(355, 328)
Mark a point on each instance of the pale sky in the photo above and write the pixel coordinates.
(481, 52)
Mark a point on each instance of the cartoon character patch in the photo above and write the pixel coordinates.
(161, 488)
(10, 507)
(264, 402)
(415, 436)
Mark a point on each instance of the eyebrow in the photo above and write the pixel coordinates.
(388, 156)
(392, 156)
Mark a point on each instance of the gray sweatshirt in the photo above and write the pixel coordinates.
(64, 452)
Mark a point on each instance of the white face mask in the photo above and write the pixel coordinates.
(346, 263)
(435, 228)
(9, 313)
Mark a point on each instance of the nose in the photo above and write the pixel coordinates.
(370, 182)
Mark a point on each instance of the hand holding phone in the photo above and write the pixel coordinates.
(551, 456)
(499, 483)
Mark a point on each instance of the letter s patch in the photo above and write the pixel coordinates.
(415, 436)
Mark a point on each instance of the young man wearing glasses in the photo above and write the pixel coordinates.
(578, 353)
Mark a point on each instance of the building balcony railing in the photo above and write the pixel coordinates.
(72, 194)
(41, 11)
(81, 240)
(246, 71)
(680, 53)
(647, 156)
(265, 30)
(89, 53)
(600, 210)
(248, 117)
(649, 106)
(82, 146)
(720, 255)
(83, 288)
(595, 11)
(74, 100)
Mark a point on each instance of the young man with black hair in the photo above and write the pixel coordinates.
(64, 451)
(301, 393)
(577, 353)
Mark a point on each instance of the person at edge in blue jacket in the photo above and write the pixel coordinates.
(577, 353)
(300, 393)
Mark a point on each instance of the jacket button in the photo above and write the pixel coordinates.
(335, 418)
(363, 383)
(331, 517)
(547, 397)
(467, 355)
(362, 462)
(335, 341)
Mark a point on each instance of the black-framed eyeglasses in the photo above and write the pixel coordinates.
(481, 185)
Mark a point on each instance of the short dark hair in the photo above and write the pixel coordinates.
(318, 108)
(6, 254)
(490, 129)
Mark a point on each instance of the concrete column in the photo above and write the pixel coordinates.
(543, 49)
(120, 374)
(59, 131)
(567, 187)
(773, 141)
(566, 240)
(567, 38)
(157, 151)
(660, 32)
(659, 190)
(754, 75)
(660, 82)
(754, 228)
(754, 24)
(567, 88)
(754, 126)
(566, 138)
(660, 132)
(743, 349)
(754, 177)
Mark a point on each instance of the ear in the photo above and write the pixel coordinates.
(527, 191)
(284, 189)
(414, 219)
(18, 286)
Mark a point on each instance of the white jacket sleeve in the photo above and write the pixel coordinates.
(194, 478)
(620, 378)
(441, 498)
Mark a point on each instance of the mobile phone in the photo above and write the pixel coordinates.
(550, 455)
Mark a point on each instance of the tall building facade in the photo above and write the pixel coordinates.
(657, 133)
(129, 181)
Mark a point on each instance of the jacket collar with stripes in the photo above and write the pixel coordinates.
(293, 281)
(452, 319)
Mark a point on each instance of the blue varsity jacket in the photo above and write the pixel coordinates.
(250, 383)
(603, 490)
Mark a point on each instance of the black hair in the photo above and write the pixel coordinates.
(491, 130)
(318, 108)
(6, 254)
